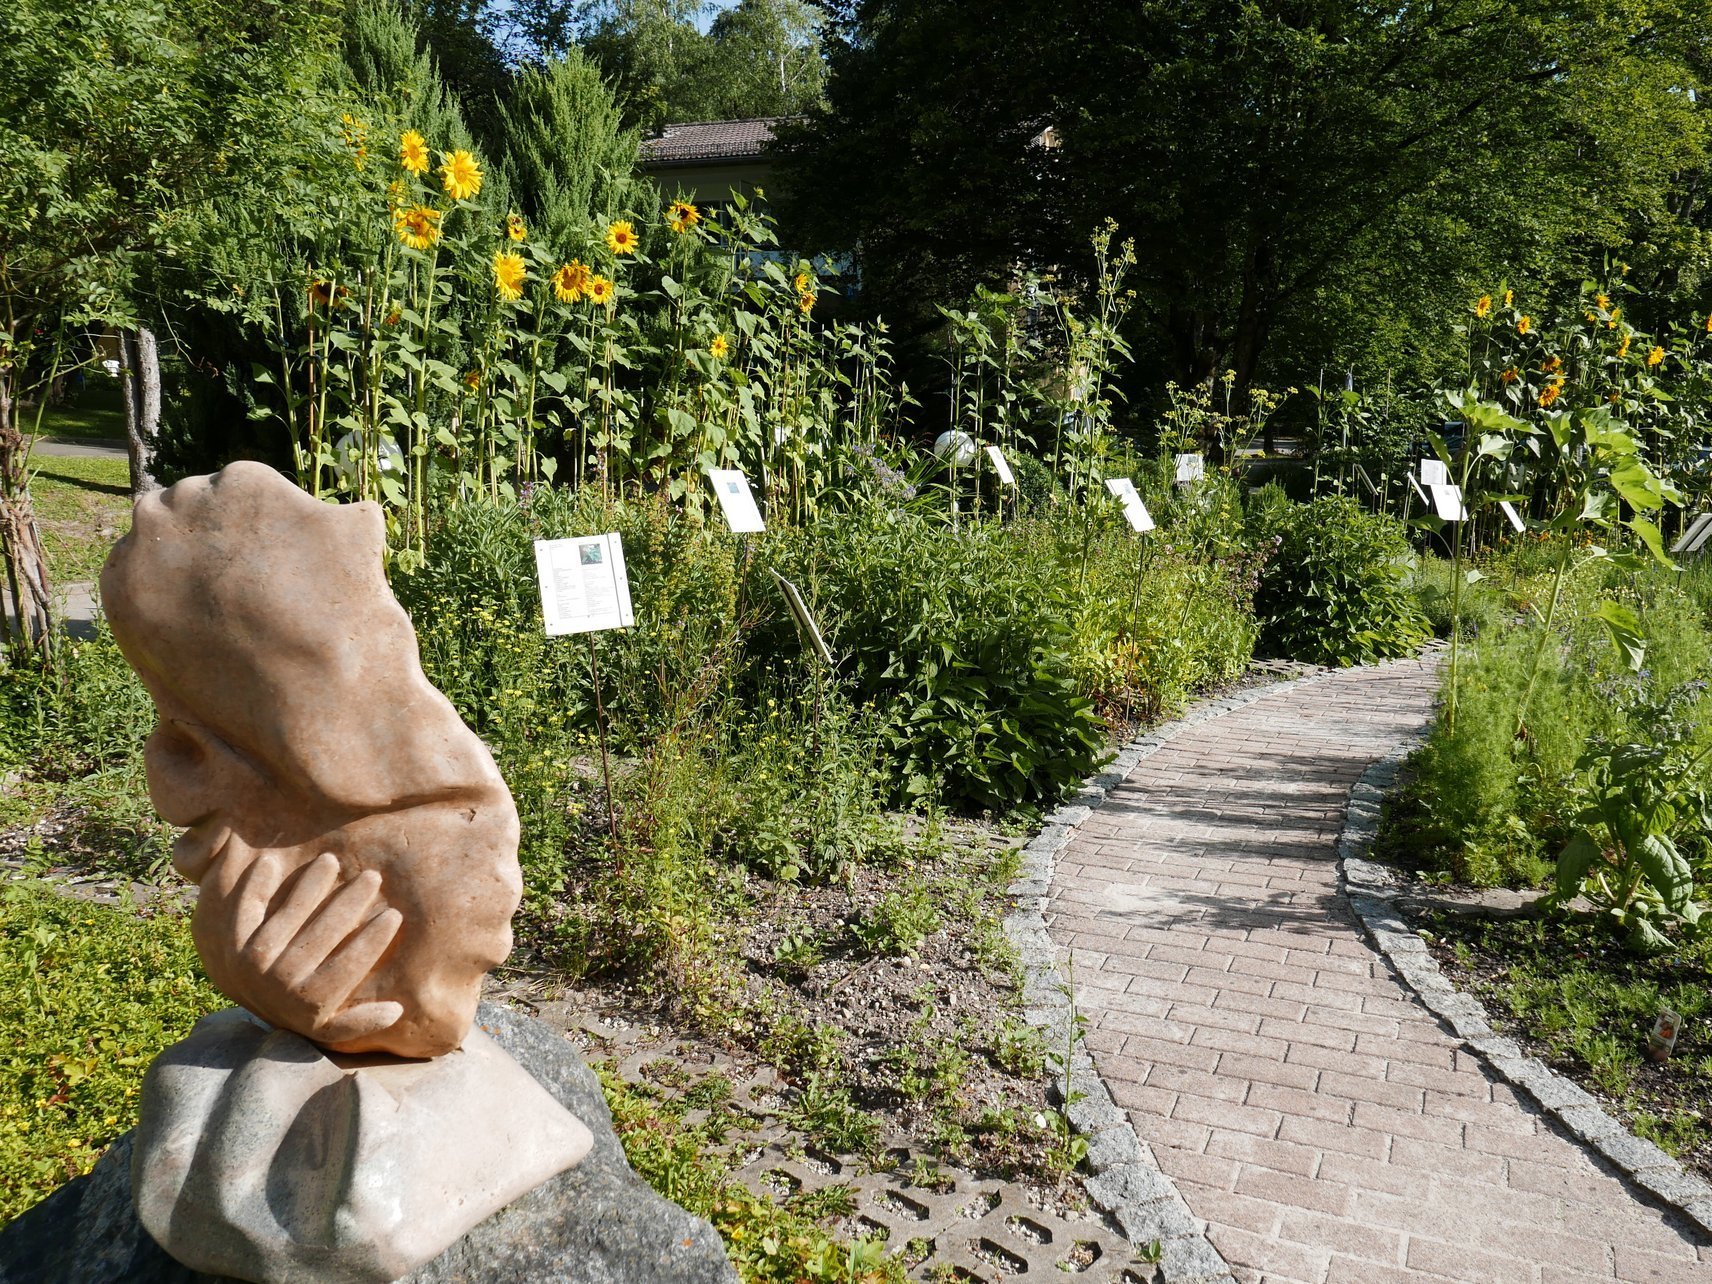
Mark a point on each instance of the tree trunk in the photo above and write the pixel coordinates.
(28, 625)
(141, 358)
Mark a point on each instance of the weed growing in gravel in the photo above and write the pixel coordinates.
(899, 923)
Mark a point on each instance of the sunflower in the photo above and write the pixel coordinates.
(1482, 306)
(472, 379)
(720, 347)
(323, 294)
(1623, 348)
(600, 290)
(805, 302)
(1709, 323)
(418, 227)
(1551, 392)
(1616, 316)
(395, 316)
(1602, 301)
(621, 238)
(803, 281)
(413, 152)
(514, 227)
(572, 281)
(1551, 365)
(460, 175)
(508, 274)
(1509, 376)
(1656, 356)
(681, 216)
(1524, 325)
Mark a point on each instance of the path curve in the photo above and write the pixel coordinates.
(1310, 1109)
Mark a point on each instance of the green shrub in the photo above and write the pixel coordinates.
(93, 994)
(1336, 588)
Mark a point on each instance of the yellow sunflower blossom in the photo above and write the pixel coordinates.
(1551, 392)
(681, 216)
(514, 227)
(1709, 323)
(805, 302)
(600, 290)
(1482, 306)
(572, 281)
(508, 275)
(413, 152)
(1509, 297)
(803, 281)
(472, 379)
(621, 238)
(720, 347)
(1616, 316)
(1656, 356)
(1601, 301)
(1623, 348)
(1551, 365)
(1509, 375)
(418, 227)
(460, 175)
(1524, 325)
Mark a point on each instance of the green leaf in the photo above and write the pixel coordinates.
(1666, 869)
(1624, 629)
(1653, 539)
(1573, 862)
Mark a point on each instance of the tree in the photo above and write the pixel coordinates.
(766, 59)
(120, 119)
(1270, 160)
(567, 156)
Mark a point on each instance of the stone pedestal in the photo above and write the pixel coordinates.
(595, 1223)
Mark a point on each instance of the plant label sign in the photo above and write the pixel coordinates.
(1191, 468)
(1434, 473)
(1662, 1041)
(1000, 465)
(1512, 516)
(1447, 502)
(1694, 536)
(584, 587)
(804, 618)
(1135, 512)
(736, 500)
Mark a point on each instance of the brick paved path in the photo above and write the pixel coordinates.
(1309, 1108)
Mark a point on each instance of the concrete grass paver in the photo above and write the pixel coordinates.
(1308, 1106)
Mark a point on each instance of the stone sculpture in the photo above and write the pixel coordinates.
(356, 852)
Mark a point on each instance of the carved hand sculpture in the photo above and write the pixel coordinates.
(355, 845)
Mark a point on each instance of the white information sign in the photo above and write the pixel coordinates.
(584, 587)
(805, 618)
(1694, 536)
(1191, 468)
(1512, 516)
(1135, 512)
(736, 500)
(1447, 502)
(1000, 465)
(1434, 473)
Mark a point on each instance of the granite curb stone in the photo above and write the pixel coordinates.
(1126, 1182)
(1370, 889)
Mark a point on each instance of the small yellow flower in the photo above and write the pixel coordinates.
(1551, 392)
(805, 302)
(621, 238)
(1524, 325)
(1601, 301)
(508, 275)
(514, 227)
(413, 152)
(1709, 323)
(1510, 375)
(720, 347)
(472, 379)
(460, 175)
(1482, 306)
(681, 216)
(1551, 365)
(600, 290)
(1616, 316)
(418, 227)
(1509, 297)
(572, 281)
(1656, 356)
(1623, 348)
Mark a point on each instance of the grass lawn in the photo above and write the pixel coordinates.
(1585, 1006)
(83, 505)
(96, 413)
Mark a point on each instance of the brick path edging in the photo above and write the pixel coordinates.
(1372, 889)
(1126, 1181)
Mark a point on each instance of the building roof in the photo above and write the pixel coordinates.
(697, 142)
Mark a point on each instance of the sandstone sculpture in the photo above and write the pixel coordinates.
(354, 843)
